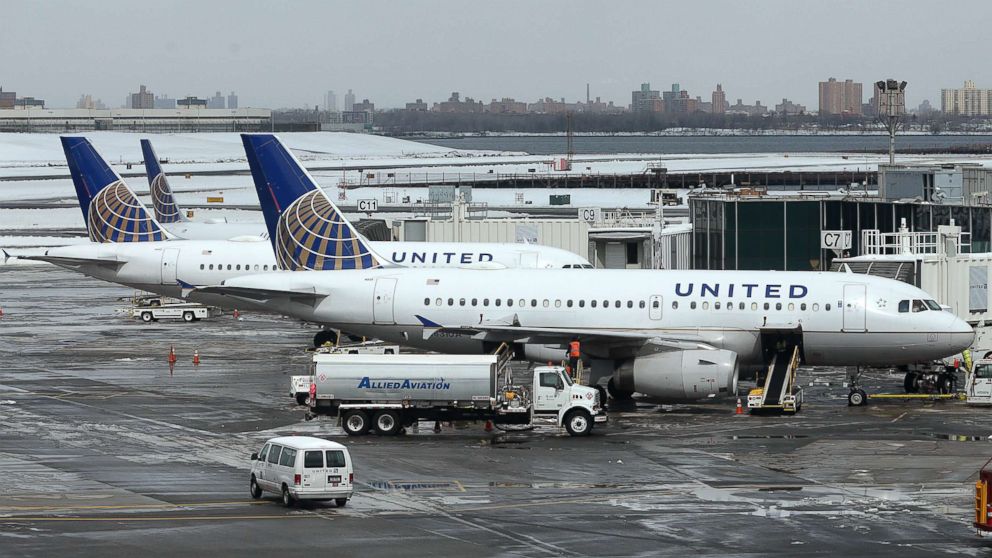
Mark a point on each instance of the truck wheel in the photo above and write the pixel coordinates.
(188, 317)
(146, 317)
(857, 398)
(287, 498)
(909, 383)
(256, 491)
(387, 422)
(340, 502)
(615, 392)
(355, 423)
(321, 337)
(301, 398)
(578, 423)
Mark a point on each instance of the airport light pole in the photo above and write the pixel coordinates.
(891, 108)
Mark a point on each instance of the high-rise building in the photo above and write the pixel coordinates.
(331, 101)
(143, 99)
(216, 102)
(788, 108)
(967, 101)
(364, 106)
(349, 101)
(87, 102)
(192, 103)
(718, 100)
(645, 100)
(232, 101)
(840, 97)
(419, 105)
(164, 102)
(7, 99)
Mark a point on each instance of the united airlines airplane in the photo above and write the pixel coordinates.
(170, 215)
(679, 335)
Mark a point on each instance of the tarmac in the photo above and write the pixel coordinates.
(104, 450)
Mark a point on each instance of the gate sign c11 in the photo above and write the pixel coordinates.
(589, 214)
(835, 240)
(368, 206)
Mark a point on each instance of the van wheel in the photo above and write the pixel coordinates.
(301, 398)
(146, 317)
(387, 423)
(188, 317)
(355, 423)
(287, 498)
(256, 491)
(340, 502)
(578, 423)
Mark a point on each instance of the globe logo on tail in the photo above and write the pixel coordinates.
(116, 215)
(312, 235)
(165, 206)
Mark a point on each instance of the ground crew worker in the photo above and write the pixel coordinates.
(574, 353)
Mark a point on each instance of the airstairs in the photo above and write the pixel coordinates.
(780, 392)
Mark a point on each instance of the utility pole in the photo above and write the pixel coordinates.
(891, 108)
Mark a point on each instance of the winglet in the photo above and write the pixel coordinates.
(308, 232)
(186, 288)
(166, 208)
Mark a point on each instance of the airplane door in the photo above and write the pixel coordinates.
(382, 301)
(655, 309)
(854, 307)
(170, 259)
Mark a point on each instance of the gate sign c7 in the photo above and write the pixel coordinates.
(835, 240)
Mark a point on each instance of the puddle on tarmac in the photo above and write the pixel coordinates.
(768, 437)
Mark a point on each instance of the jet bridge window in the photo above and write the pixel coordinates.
(903, 306)
(919, 306)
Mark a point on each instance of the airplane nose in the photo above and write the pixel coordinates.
(961, 335)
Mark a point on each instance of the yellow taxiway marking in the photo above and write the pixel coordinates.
(163, 505)
(159, 518)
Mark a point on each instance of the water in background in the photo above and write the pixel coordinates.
(548, 145)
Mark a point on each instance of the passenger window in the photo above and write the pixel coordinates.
(903, 306)
(791, 307)
(274, 454)
(549, 379)
(716, 305)
(437, 302)
(918, 306)
(509, 302)
(546, 303)
(256, 267)
(427, 302)
(656, 304)
(557, 304)
(313, 459)
(288, 457)
(533, 303)
(740, 306)
(606, 304)
(202, 266)
(802, 307)
(475, 302)
(239, 267)
(499, 301)
(485, 302)
(335, 458)
(778, 305)
(692, 305)
(706, 305)
(582, 304)
(451, 302)
(211, 267)
(641, 304)
(730, 306)
(266, 267)
(461, 302)
(767, 306)
(616, 304)
(816, 306)
(568, 303)
(522, 303)
(630, 304)
(229, 267)
(675, 305)
(592, 303)
(827, 307)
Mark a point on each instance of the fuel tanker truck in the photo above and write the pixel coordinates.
(388, 393)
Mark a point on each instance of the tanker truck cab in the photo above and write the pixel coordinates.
(302, 468)
(555, 394)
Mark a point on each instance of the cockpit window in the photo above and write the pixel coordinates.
(903, 306)
(919, 306)
(933, 304)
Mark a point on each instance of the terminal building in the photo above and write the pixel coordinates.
(193, 119)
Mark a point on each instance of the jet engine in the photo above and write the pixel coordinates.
(686, 375)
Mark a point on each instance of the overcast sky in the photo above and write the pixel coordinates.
(288, 53)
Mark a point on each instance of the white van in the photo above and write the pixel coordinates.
(303, 468)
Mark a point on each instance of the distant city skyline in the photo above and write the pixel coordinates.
(274, 57)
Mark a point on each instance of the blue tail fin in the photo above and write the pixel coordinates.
(111, 210)
(166, 208)
(307, 231)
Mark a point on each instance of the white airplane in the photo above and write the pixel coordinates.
(171, 216)
(130, 246)
(678, 335)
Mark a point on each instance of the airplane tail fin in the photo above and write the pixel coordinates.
(166, 208)
(111, 210)
(308, 232)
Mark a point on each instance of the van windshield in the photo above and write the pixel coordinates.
(335, 458)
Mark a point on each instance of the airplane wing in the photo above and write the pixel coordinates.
(113, 262)
(305, 295)
(552, 335)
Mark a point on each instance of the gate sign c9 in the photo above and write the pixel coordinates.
(589, 214)
(835, 240)
(367, 206)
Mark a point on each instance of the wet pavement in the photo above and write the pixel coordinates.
(104, 450)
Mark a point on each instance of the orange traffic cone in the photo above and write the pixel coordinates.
(196, 357)
(172, 354)
(1, 311)
(489, 426)
(740, 409)
(236, 314)
(437, 426)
